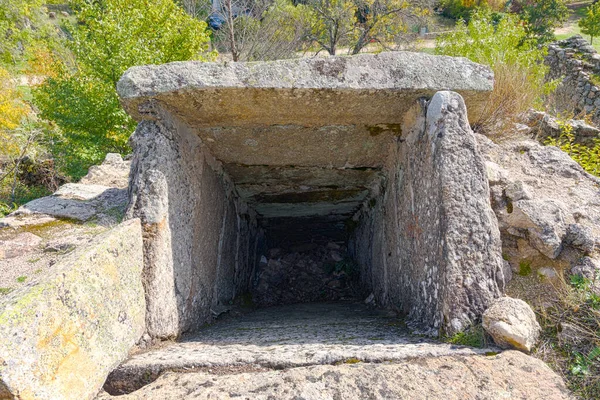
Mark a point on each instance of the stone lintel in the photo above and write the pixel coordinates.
(365, 89)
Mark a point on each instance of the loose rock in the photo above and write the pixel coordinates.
(512, 324)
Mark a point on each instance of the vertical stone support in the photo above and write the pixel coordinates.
(436, 251)
(194, 226)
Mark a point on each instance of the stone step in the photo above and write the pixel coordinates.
(287, 337)
(509, 375)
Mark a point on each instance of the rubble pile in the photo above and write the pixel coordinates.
(305, 273)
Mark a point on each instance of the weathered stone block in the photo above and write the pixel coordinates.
(435, 249)
(61, 335)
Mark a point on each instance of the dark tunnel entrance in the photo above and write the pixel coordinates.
(305, 260)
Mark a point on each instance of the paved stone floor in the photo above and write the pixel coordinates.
(286, 337)
(326, 351)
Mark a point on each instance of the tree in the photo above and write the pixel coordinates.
(542, 17)
(332, 22)
(358, 23)
(590, 24)
(110, 37)
(252, 30)
(384, 21)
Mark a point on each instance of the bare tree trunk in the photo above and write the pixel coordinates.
(362, 41)
(190, 6)
(231, 31)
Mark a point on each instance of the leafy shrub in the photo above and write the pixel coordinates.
(462, 9)
(109, 37)
(515, 60)
(587, 156)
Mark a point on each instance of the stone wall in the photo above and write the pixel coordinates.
(429, 244)
(578, 64)
(199, 239)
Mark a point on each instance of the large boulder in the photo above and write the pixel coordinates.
(512, 324)
(64, 332)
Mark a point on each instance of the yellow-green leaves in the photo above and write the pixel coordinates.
(12, 111)
(590, 23)
(108, 38)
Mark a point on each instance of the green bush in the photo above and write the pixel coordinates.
(587, 156)
(462, 9)
(108, 38)
(501, 43)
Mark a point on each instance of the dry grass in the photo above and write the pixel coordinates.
(515, 92)
(570, 341)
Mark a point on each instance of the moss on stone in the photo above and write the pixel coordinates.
(524, 267)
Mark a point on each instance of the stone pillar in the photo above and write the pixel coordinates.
(192, 226)
(436, 251)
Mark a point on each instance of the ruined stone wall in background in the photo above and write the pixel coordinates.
(578, 63)
(430, 245)
(199, 239)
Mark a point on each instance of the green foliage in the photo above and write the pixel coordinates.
(5, 291)
(542, 17)
(587, 156)
(111, 36)
(590, 23)
(16, 19)
(21, 279)
(462, 9)
(502, 43)
(579, 282)
(6, 209)
(524, 267)
(486, 41)
(582, 363)
(474, 336)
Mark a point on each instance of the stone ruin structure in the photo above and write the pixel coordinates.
(577, 64)
(243, 176)
(375, 148)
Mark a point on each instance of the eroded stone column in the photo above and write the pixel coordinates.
(192, 226)
(436, 251)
